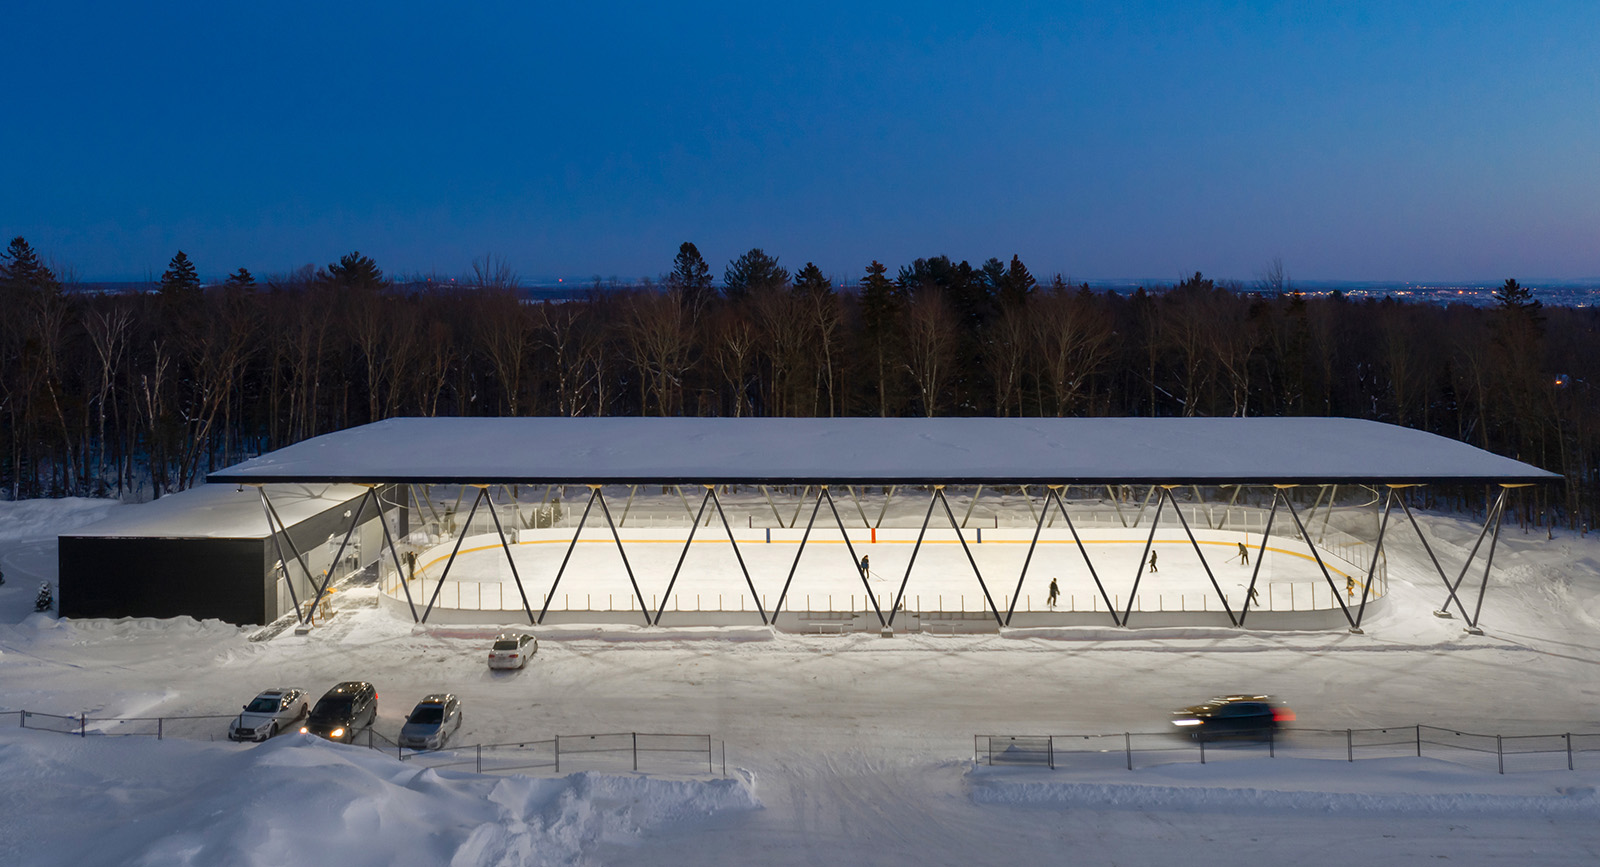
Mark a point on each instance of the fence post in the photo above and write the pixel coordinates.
(83, 725)
(480, 758)
(636, 752)
(1050, 751)
(1127, 747)
(1500, 752)
(1569, 751)
(1202, 742)
(1272, 745)
(1349, 743)
(724, 758)
(1419, 740)
(159, 722)
(558, 754)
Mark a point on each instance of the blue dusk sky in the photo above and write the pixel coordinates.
(1356, 141)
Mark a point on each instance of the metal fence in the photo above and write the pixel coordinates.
(1501, 753)
(647, 752)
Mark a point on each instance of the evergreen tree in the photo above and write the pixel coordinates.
(355, 272)
(1517, 299)
(752, 272)
(45, 600)
(180, 282)
(22, 275)
(691, 276)
(993, 274)
(241, 278)
(880, 308)
(1016, 284)
(811, 281)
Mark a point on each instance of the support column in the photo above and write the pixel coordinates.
(855, 562)
(510, 561)
(277, 544)
(466, 527)
(995, 609)
(682, 555)
(405, 583)
(593, 492)
(717, 501)
(1134, 593)
(1052, 495)
(1306, 535)
(899, 598)
(802, 549)
(644, 607)
(1449, 588)
(1167, 492)
(1377, 552)
(1261, 555)
(328, 578)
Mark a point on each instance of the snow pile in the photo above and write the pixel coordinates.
(1248, 786)
(37, 519)
(300, 800)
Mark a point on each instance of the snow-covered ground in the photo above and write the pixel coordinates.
(841, 749)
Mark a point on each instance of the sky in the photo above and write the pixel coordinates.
(1355, 141)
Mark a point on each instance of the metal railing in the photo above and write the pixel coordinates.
(1541, 752)
(647, 752)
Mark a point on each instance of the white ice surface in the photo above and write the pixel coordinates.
(849, 749)
(837, 450)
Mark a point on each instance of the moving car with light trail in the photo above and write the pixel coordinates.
(431, 723)
(1232, 716)
(343, 711)
(268, 713)
(512, 650)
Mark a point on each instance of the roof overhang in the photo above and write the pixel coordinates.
(1023, 451)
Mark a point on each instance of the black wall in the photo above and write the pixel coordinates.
(200, 578)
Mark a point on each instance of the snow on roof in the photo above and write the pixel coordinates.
(219, 512)
(875, 450)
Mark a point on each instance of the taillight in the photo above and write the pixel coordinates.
(1282, 714)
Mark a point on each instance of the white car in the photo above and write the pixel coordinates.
(512, 649)
(271, 712)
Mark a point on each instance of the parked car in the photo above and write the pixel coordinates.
(431, 723)
(512, 650)
(1232, 716)
(269, 713)
(342, 711)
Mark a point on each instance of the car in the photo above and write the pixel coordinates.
(1232, 716)
(431, 722)
(272, 711)
(342, 711)
(512, 650)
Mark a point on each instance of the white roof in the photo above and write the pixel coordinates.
(873, 450)
(219, 512)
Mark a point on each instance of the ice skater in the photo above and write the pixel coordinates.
(1055, 593)
(1153, 562)
(866, 570)
(1244, 555)
(1349, 588)
(411, 565)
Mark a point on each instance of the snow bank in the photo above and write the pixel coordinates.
(299, 800)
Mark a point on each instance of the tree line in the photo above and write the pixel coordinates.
(144, 392)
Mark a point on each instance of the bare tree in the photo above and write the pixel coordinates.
(931, 337)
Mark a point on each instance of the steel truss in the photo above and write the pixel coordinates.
(855, 562)
(711, 497)
(938, 498)
(1162, 494)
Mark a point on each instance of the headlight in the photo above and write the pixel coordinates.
(304, 730)
(336, 733)
(1185, 722)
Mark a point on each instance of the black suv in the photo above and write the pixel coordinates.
(344, 710)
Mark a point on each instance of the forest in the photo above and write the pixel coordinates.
(135, 394)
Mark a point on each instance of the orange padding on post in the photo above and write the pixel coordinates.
(874, 535)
